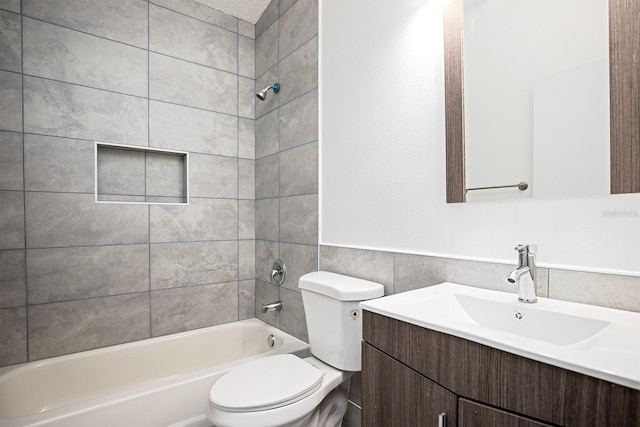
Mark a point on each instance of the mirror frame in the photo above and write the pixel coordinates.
(624, 98)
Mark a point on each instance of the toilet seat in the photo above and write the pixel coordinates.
(266, 383)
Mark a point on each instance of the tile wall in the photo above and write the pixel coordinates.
(171, 74)
(400, 272)
(287, 156)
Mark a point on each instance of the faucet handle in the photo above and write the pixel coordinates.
(526, 249)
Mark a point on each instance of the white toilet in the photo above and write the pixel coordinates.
(285, 390)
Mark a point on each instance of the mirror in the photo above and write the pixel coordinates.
(524, 112)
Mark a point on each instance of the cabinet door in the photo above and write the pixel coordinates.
(396, 395)
(471, 414)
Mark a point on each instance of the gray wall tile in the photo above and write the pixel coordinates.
(193, 85)
(292, 316)
(182, 309)
(121, 172)
(246, 97)
(71, 326)
(353, 416)
(65, 219)
(201, 12)
(266, 50)
(299, 170)
(273, 101)
(183, 37)
(415, 271)
(246, 29)
(299, 121)
(213, 176)
(13, 335)
(247, 219)
(297, 25)
(202, 219)
(12, 280)
(247, 259)
(300, 260)
(285, 5)
(10, 41)
(62, 109)
(58, 164)
(247, 299)
(71, 56)
(247, 179)
(191, 129)
(10, 101)
(267, 177)
(11, 5)
(299, 219)
(12, 220)
(247, 138)
(164, 175)
(176, 265)
(266, 253)
(113, 19)
(608, 290)
(267, 224)
(268, 17)
(369, 265)
(60, 274)
(300, 71)
(267, 135)
(267, 293)
(355, 389)
(11, 175)
(246, 57)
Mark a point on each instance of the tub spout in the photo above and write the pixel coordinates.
(272, 306)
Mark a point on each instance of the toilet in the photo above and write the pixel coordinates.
(287, 391)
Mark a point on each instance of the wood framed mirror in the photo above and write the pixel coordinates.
(624, 98)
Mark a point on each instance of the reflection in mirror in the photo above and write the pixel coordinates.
(536, 98)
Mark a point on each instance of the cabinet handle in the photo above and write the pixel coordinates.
(442, 420)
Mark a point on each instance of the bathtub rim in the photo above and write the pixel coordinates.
(289, 344)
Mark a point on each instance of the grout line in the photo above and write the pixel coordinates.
(238, 166)
(24, 193)
(198, 19)
(83, 32)
(145, 161)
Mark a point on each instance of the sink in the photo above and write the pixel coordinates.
(521, 320)
(592, 340)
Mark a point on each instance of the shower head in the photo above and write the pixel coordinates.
(262, 95)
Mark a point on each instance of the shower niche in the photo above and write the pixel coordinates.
(140, 175)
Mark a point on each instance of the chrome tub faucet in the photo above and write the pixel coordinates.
(525, 274)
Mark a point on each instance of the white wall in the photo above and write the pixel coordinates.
(382, 172)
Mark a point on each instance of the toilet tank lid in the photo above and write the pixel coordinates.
(340, 287)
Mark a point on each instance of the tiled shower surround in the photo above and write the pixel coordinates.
(169, 74)
(287, 156)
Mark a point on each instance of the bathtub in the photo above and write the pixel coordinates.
(162, 381)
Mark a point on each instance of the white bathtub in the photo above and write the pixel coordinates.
(155, 382)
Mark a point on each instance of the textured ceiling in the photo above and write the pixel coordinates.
(247, 10)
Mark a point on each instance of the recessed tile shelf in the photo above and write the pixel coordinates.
(140, 175)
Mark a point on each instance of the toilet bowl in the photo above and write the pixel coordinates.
(286, 391)
(279, 391)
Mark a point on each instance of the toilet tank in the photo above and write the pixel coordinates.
(334, 320)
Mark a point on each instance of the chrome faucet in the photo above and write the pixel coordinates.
(525, 274)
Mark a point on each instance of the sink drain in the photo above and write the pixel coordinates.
(518, 315)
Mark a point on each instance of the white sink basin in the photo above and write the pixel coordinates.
(597, 341)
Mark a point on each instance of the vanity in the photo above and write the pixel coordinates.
(452, 355)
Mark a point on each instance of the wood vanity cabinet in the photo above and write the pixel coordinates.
(410, 375)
